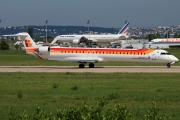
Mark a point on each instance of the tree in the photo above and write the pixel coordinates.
(158, 35)
(4, 45)
(151, 36)
(30, 31)
(176, 35)
(167, 35)
(16, 46)
(49, 38)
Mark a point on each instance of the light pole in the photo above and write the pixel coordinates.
(46, 30)
(88, 31)
(0, 22)
(88, 25)
(167, 32)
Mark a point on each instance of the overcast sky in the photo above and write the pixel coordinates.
(101, 13)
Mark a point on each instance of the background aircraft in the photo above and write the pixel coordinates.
(93, 55)
(165, 40)
(122, 34)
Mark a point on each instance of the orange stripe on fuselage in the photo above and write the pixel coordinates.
(31, 50)
(101, 50)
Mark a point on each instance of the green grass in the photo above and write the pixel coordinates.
(17, 57)
(50, 91)
(135, 90)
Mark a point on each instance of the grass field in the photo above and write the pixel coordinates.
(17, 57)
(51, 91)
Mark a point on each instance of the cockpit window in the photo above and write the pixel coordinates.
(165, 53)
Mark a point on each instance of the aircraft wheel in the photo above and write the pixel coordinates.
(91, 65)
(81, 65)
(168, 65)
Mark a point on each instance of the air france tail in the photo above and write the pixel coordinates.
(124, 29)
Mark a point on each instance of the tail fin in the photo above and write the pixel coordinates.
(26, 38)
(124, 29)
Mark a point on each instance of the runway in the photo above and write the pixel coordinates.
(104, 69)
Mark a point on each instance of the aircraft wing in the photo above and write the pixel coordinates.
(94, 40)
(83, 59)
(10, 35)
(123, 37)
(83, 39)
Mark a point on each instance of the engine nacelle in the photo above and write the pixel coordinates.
(76, 41)
(43, 49)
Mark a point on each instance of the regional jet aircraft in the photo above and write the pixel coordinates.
(122, 34)
(93, 55)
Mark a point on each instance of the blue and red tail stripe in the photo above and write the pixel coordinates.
(125, 29)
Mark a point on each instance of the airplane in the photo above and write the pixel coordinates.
(165, 40)
(76, 39)
(94, 55)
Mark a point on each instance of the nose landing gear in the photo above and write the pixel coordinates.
(168, 65)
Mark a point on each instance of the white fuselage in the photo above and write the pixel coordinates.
(94, 38)
(165, 40)
(92, 55)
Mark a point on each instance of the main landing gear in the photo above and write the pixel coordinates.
(82, 65)
(168, 65)
(91, 65)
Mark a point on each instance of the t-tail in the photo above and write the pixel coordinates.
(30, 46)
(124, 29)
(28, 42)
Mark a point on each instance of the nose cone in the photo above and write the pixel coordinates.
(174, 59)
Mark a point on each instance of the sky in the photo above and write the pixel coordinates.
(101, 13)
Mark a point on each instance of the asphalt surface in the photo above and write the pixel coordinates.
(104, 69)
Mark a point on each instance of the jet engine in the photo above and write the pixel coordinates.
(76, 41)
(43, 49)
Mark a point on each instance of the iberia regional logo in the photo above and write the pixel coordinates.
(28, 43)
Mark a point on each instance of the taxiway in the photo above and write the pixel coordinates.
(100, 69)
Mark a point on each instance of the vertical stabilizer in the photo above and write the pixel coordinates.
(27, 40)
(124, 29)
